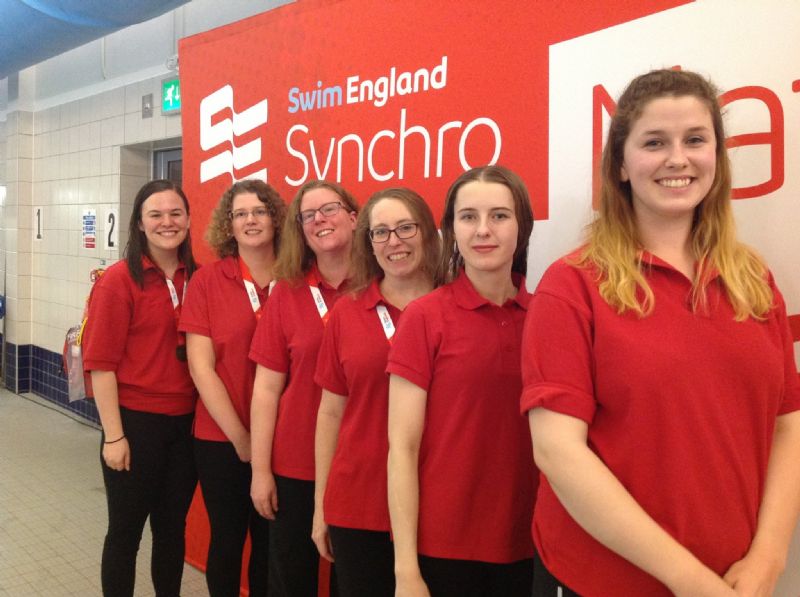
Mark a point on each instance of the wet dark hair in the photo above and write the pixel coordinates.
(137, 241)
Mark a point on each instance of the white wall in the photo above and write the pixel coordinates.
(72, 137)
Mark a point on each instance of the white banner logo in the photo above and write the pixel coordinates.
(224, 131)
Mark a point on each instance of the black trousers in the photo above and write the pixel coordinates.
(225, 483)
(466, 578)
(364, 562)
(160, 486)
(547, 585)
(293, 557)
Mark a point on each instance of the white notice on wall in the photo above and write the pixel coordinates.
(89, 229)
(38, 223)
(111, 229)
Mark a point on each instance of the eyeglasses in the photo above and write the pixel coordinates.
(326, 209)
(240, 215)
(403, 231)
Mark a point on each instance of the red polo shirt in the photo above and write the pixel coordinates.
(287, 340)
(477, 479)
(681, 407)
(132, 332)
(352, 363)
(217, 307)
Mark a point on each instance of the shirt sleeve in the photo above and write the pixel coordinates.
(557, 354)
(791, 395)
(269, 347)
(414, 345)
(194, 311)
(330, 374)
(107, 323)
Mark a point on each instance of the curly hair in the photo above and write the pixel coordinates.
(219, 233)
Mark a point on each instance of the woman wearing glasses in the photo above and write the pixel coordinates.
(461, 483)
(223, 303)
(312, 268)
(395, 258)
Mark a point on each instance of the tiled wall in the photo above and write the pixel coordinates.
(92, 153)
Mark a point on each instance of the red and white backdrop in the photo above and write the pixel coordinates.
(412, 93)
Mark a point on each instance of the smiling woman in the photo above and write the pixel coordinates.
(660, 381)
(224, 302)
(143, 391)
(313, 267)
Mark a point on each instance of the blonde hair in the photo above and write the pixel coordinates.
(295, 256)
(613, 247)
(219, 233)
(365, 266)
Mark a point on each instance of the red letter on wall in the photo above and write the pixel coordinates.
(774, 138)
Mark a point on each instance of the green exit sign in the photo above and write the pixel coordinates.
(170, 95)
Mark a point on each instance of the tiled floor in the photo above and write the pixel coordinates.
(53, 509)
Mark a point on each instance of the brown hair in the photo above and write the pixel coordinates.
(219, 233)
(452, 261)
(137, 241)
(365, 266)
(295, 256)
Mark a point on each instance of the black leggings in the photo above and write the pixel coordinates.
(467, 578)
(364, 562)
(160, 485)
(547, 585)
(293, 557)
(225, 482)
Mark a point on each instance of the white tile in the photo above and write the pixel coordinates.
(25, 125)
(94, 135)
(62, 142)
(94, 162)
(25, 146)
(74, 139)
(86, 110)
(89, 189)
(133, 101)
(173, 126)
(132, 129)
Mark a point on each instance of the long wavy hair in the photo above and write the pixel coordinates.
(365, 265)
(219, 233)
(613, 246)
(137, 241)
(452, 261)
(295, 256)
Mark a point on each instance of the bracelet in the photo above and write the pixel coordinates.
(116, 440)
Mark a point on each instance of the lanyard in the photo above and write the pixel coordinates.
(319, 300)
(180, 350)
(250, 287)
(386, 321)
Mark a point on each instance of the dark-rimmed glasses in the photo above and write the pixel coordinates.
(326, 209)
(403, 232)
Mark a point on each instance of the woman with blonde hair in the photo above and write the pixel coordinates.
(313, 268)
(659, 374)
(223, 304)
(396, 255)
(460, 478)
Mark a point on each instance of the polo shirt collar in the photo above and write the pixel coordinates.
(372, 296)
(149, 264)
(230, 267)
(655, 261)
(468, 298)
(314, 278)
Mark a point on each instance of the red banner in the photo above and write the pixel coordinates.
(374, 95)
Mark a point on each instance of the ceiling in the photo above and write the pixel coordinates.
(34, 30)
